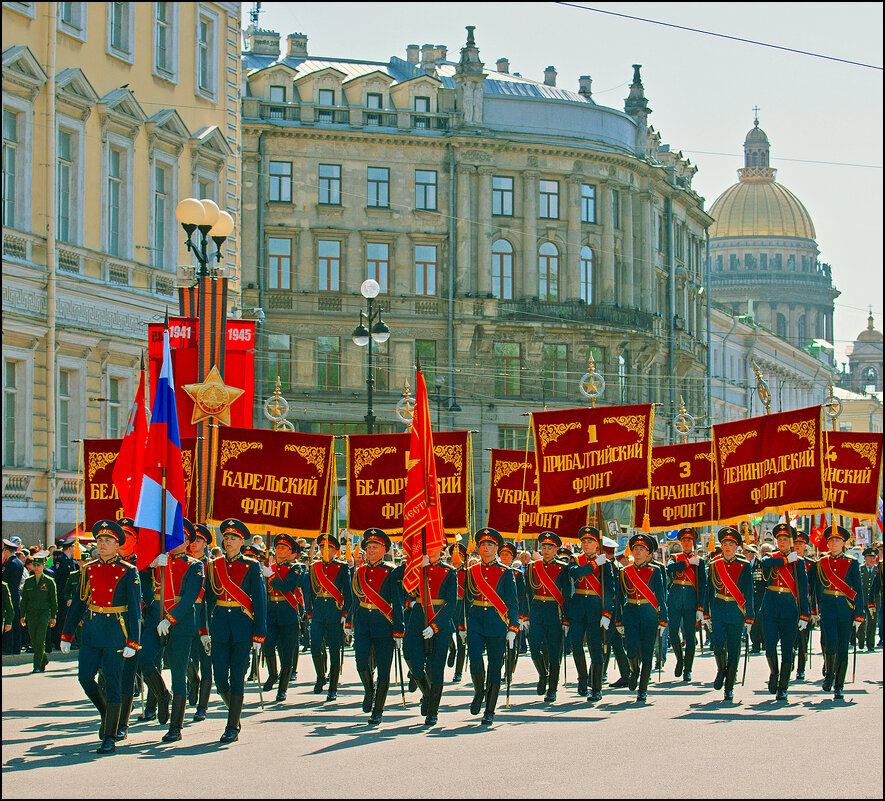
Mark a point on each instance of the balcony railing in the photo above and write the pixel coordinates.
(310, 114)
(577, 311)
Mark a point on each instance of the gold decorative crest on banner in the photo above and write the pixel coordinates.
(632, 422)
(314, 456)
(187, 459)
(99, 461)
(553, 431)
(231, 449)
(728, 445)
(212, 399)
(504, 469)
(656, 463)
(705, 455)
(804, 430)
(363, 457)
(867, 450)
(450, 454)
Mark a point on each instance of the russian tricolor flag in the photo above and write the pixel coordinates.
(162, 456)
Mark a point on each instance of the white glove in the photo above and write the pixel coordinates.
(256, 648)
(662, 627)
(524, 625)
(708, 625)
(565, 631)
(65, 647)
(267, 570)
(694, 560)
(620, 630)
(128, 652)
(160, 561)
(463, 636)
(605, 622)
(343, 620)
(700, 617)
(815, 619)
(803, 624)
(425, 562)
(793, 557)
(427, 633)
(511, 638)
(207, 643)
(348, 637)
(601, 560)
(163, 627)
(748, 626)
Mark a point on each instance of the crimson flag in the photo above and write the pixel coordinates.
(128, 466)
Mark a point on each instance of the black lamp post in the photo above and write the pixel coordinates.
(374, 330)
(204, 216)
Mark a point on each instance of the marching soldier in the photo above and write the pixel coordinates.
(108, 604)
(492, 621)
(728, 607)
(800, 544)
(685, 599)
(507, 553)
(643, 597)
(63, 565)
(181, 578)
(426, 639)
(284, 602)
(615, 641)
(237, 610)
(755, 633)
(872, 591)
(785, 611)
(839, 593)
(39, 607)
(328, 602)
(548, 589)
(590, 609)
(200, 668)
(377, 619)
(457, 649)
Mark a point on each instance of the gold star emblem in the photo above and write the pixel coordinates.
(212, 398)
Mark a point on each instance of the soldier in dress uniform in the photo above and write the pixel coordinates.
(39, 606)
(685, 599)
(284, 604)
(507, 553)
(590, 609)
(63, 565)
(180, 578)
(548, 590)
(328, 599)
(492, 620)
(615, 640)
(756, 634)
(839, 594)
(108, 604)
(728, 607)
(237, 610)
(643, 598)
(458, 647)
(785, 610)
(376, 616)
(426, 638)
(872, 592)
(200, 667)
(800, 544)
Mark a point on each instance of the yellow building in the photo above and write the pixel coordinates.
(145, 113)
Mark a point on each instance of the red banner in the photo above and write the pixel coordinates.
(277, 479)
(376, 481)
(769, 464)
(853, 472)
(682, 488)
(101, 500)
(592, 455)
(513, 501)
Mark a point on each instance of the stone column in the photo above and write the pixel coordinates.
(483, 271)
(463, 228)
(569, 268)
(628, 281)
(607, 257)
(527, 285)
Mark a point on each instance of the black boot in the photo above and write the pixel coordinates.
(552, 681)
(720, 670)
(644, 675)
(368, 689)
(595, 683)
(155, 681)
(111, 719)
(687, 665)
(459, 664)
(332, 693)
(203, 700)
(193, 683)
(319, 664)
(453, 650)
(413, 683)
(841, 670)
(829, 672)
(676, 644)
(772, 674)
(380, 698)
(232, 730)
(283, 687)
(433, 704)
(541, 667)
(98, 699)
(123, 723)
(491, 702)
(478, 692)
(176, 722)
(225, 697)
(730, 674)
(421, 683)
(149, 712)
(784, 679)
(634, 672)
(581, 668)
(271, 658)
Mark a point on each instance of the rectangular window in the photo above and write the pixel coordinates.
(588, 203)
(763, 260)
(425, 269)
(373, 100)
(330, 184)
(378, 187)
(115, 195)
(326, 97)
(114, 408)
(549, 200)
(329, 257)
(502, 195)
(204, 54)
(555, 370)
(378, 263)
(279, 263)
(161, 206)
(425, 351)
(422, 105)
(10, 151)
(329, 363)
(425, 190)
(502, 270)
(512, 438)
(163, 60)
(279, 357)
(277, 94)
(65, 446)
(660, 233)
(65, 185)
(281, 181)
(616, 208)
(10, 395)
(118, 33)
(507, 362)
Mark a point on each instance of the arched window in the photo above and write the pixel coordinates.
(869, 380)
(801, 332)
(754, 160)
(622, 379)
(548, 272)
(781, 329)
(587, 274)
(502, 269)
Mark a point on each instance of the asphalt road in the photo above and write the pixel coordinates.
(685, 742)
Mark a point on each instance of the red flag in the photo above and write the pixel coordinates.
(422, 508)
(128, 467)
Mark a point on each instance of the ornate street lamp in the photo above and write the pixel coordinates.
(374, 330)
(204, 216)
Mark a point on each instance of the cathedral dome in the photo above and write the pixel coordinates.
(869, 334)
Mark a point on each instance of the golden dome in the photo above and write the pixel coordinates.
(760, 207)
(869, 334)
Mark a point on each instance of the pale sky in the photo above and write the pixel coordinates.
(702, 90)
